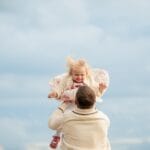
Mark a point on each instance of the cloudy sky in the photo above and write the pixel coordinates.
(36, 36)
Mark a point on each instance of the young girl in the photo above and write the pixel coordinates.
(65, 86)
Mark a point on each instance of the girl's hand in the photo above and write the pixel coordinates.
(102, 87)
(52, 95)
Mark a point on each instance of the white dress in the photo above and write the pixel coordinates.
(63, 83)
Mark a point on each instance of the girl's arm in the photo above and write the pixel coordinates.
(69, 95)
(52, 94)
(101, 77)
(57, 84)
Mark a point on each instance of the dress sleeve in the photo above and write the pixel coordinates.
(57, 84)
(101, 76)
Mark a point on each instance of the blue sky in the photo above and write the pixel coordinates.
(35, 39)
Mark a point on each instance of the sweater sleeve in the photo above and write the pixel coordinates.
(56, 119)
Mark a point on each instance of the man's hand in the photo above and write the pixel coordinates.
(65, 98)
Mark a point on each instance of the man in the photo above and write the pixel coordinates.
(84, 128)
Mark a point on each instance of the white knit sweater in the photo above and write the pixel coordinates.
(83, 129)
(61, 84)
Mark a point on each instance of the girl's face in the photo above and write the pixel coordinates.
(79, 74)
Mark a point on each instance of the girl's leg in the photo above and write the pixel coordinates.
(57, 133)
(55, 140)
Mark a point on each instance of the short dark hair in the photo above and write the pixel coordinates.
(85, 97)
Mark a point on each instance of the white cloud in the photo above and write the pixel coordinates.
(1, 147)
(25, 133)
(42, 30)
(147, 68)
(13, 126)
(133, 140)
(121, 141)
(36, 36)
(120, 9)
(12, 130)
(38, 146)
(29, 86)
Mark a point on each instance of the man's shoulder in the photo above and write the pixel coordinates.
(69, 115)
(102, 115)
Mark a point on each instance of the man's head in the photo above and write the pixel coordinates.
(85, 97)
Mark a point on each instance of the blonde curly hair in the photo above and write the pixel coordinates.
(77, 64)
